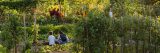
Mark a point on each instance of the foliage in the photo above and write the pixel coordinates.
(90, 34)
(93, 33)
(10, 32)
(19, 4)
(2, 49)
(134, 26)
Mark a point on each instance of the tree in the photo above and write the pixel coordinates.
(10, 32)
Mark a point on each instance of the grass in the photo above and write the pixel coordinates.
(2, 49)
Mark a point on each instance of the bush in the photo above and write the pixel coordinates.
(91, 34)
(99, 34)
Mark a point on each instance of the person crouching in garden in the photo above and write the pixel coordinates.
(62, 38)
(51, 39)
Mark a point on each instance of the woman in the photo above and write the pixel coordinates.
(62, 38)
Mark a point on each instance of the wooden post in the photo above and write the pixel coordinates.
(35, 36)
(24, 23)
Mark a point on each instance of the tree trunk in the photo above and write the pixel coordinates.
(107, 48)
(143, 48)
(155, 48)
(131, 42)
(107, 42)
(114, 47)
(137, 46)
(132, 49)
(15, 48)
(149, 44)
(123, 45)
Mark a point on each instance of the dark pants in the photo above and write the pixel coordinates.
(46, 43)
(61, 42)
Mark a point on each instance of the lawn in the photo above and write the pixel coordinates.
(2, 49)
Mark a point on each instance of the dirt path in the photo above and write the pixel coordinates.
(60, 52)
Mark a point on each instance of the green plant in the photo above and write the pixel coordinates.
(10, 32)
